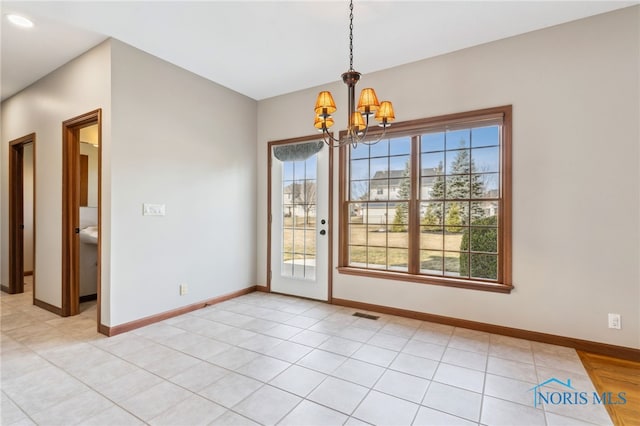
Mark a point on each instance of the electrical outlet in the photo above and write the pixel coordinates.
(614, 321)
(183, 289)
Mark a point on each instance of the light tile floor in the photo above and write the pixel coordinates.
(271, 359)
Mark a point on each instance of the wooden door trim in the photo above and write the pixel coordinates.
(270, 146)
(71, 208)
(16, 209)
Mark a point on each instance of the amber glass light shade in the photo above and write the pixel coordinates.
(357, 121)
(325, 103)
(385, 113)
(328, 122)
(368, 101)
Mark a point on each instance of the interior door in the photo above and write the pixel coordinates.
(71, 187)
(299, 210)
(16, 218)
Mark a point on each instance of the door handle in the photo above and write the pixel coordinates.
(21, 227)
(76, 230)
(322, 232)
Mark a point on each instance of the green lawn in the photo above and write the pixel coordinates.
(298, 239)
(396, 256)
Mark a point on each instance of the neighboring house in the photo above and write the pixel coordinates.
(385, 185)
(299, 199)
(172, 137)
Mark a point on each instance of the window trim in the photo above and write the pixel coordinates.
(409, 128)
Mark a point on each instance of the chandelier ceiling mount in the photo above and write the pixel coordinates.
(358, 115)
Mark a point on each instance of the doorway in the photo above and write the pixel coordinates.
(299, 232)
(81, 180)
(21, 213)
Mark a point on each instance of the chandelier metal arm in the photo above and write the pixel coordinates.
(350, 139)
(358, 114)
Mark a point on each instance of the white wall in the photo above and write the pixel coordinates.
(576, 173)
(179, 140)
(27, 201)
(77, 87)
(188, 143)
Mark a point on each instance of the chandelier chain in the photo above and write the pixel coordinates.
(351, 36)
(358, 116)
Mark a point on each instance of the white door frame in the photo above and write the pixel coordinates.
(274, 218)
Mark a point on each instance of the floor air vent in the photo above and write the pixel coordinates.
(367, 316)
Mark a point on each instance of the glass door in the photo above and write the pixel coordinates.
(299, 219)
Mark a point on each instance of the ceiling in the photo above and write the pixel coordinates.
(267, 48)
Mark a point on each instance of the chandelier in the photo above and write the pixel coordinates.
(358, 117)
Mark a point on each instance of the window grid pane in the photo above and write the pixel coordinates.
(458, 178)
(378, 224)
(299, 218)
(454, 170)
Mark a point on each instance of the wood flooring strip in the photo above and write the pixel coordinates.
(615, 375)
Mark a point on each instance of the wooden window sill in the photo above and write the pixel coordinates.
(423, 279)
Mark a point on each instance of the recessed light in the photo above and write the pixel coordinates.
(20, 21)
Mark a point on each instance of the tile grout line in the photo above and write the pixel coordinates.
(20, 408)
(384, 372)
(484, 384)
(260, 352)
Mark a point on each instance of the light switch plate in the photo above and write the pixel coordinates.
(153, 209)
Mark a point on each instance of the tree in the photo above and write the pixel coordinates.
(433, 214)
(484, 238)
(404, 192)
(454, 217)
(457, 187)
(305, 196)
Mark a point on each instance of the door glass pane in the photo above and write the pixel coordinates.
(299, 198)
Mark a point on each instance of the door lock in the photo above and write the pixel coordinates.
(322, 232)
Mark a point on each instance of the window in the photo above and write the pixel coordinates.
(431, 202)
(299, 200)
